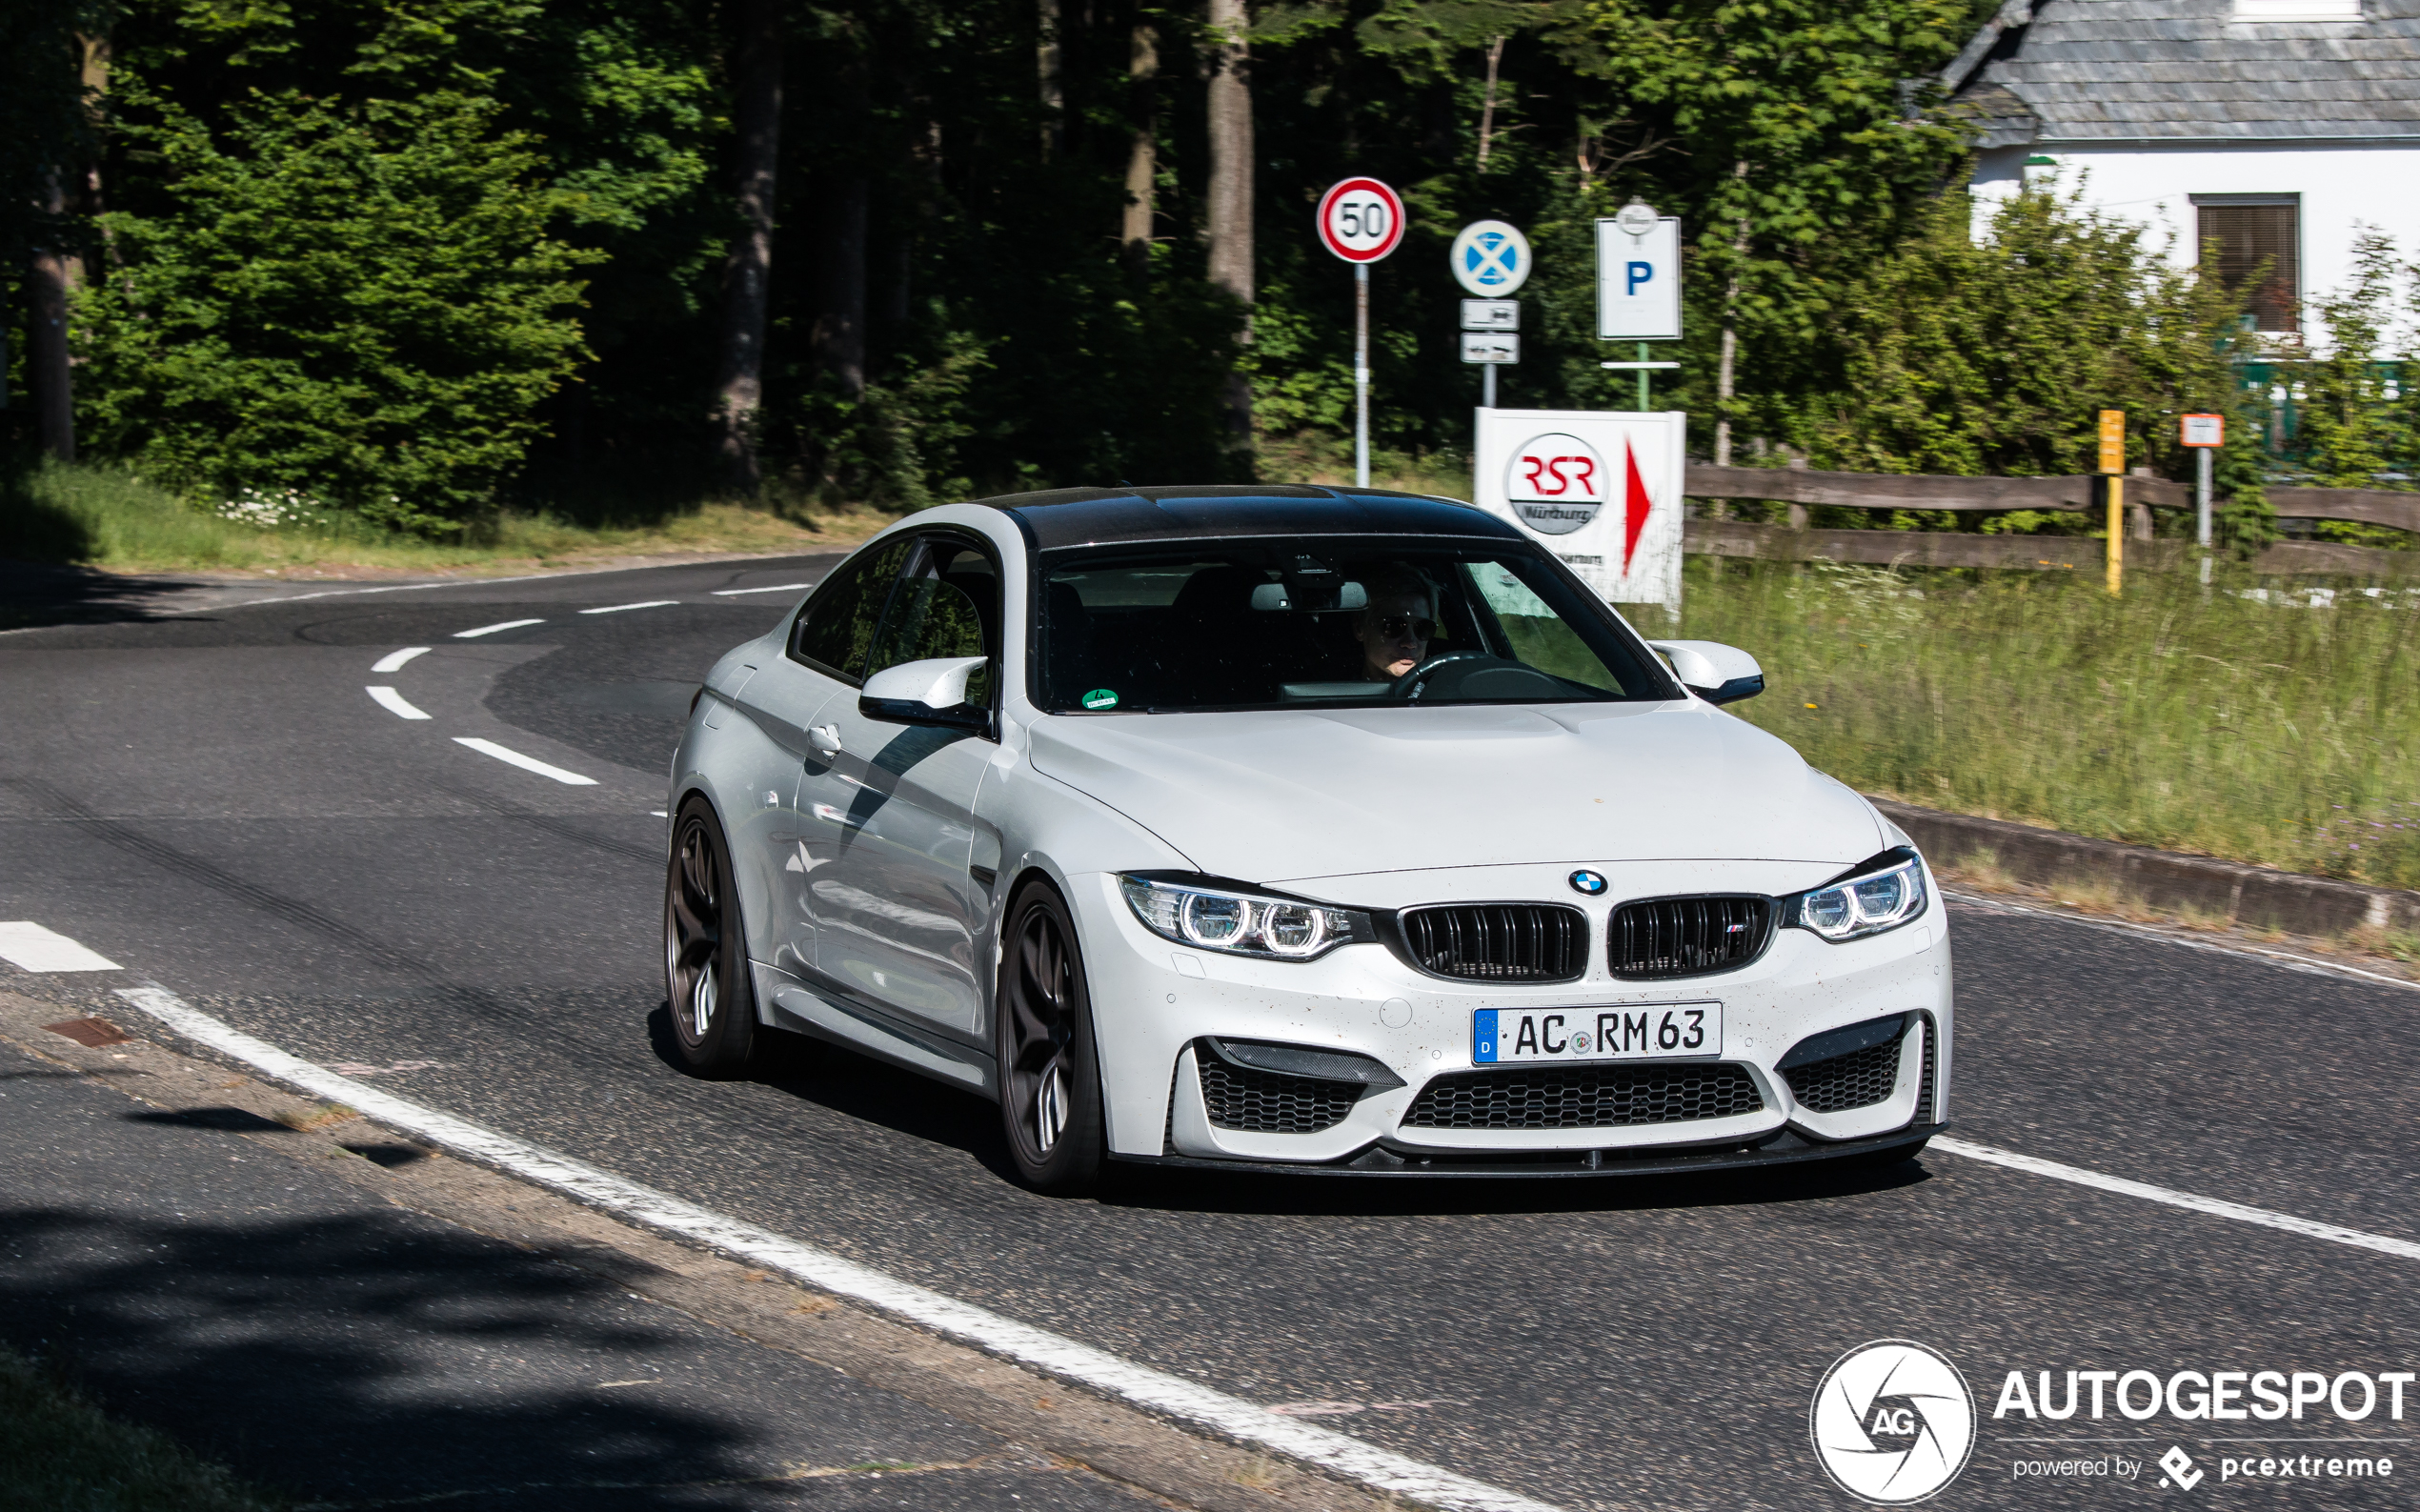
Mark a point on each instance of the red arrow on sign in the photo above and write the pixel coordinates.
(1635, 505)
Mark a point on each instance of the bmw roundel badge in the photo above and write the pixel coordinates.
(1591, 883)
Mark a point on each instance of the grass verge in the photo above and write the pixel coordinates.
(102, 515)
(2276, 733)
(58, 1450)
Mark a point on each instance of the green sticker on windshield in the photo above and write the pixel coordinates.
(1100, 698)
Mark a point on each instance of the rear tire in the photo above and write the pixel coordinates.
(706, 977)
(1049, 1072)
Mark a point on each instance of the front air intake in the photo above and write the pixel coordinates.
(1599, 1097)
(1499, 941)
(1656, 938)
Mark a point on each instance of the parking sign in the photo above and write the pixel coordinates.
(1638, 277)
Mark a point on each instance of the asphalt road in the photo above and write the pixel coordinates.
(211, 799)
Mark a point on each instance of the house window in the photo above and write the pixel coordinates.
(2254, 244)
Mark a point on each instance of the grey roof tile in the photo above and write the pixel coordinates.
(2123, 69)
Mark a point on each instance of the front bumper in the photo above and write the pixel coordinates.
(1778, 1150)
(1154, 1002)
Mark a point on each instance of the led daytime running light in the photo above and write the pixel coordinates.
(1236, 924)
(1856, 907)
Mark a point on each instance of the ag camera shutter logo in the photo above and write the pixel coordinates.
(1893, 1423)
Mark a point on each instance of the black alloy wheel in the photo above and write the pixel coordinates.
(706, 981)
(1050, 1077)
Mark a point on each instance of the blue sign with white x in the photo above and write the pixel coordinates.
(1491, 259)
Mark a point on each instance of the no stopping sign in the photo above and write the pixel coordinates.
(1360, 220)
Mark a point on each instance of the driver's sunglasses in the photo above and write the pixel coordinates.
(1394, 625)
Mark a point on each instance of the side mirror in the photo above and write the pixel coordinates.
(1714, 671)
(927, 693)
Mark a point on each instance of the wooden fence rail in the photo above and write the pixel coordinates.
(1802, 487)
(1894, 490)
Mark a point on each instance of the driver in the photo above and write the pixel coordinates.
(1396, 624)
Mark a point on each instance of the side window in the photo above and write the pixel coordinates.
(837, 624)
(947, 605)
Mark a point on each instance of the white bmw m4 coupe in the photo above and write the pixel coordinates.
(1294, 829)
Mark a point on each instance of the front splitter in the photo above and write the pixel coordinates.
(1378, 1160)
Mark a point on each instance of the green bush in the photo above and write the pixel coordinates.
(364, 304)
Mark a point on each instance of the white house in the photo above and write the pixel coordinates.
(2276, 129)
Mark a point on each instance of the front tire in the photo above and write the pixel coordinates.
(1050, 1074)
(706, 977)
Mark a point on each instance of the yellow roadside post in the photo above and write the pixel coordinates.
(2113, 467)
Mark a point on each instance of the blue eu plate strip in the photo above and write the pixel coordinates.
(1482, 1036)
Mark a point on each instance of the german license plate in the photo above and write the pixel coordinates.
(1640, 1031)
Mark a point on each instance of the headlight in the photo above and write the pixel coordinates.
(1238, 923)
(1883, 893)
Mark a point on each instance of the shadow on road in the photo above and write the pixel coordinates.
(360, 1356)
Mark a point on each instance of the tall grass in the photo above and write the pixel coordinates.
(104, 515)
(2275, 732)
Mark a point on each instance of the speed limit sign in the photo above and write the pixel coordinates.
(1360, 220)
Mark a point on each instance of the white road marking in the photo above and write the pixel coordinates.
(777, 588)
(2118, 926)
(394, 703)
(394, 660)
(2401, 1248)
(507, 754)
(29, 947)
(490, 630)
(616, 609)
(1229, 1418)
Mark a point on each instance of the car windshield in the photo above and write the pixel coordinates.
(1313, 622)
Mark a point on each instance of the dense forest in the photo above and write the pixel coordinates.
(421, 259)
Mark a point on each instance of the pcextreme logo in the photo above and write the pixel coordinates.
(1892, 1422)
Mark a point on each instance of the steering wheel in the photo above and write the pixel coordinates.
(1408, 687)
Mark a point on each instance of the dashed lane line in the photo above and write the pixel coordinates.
(777, 588)
(28, 946)
(616, 609)
(395, 660)
(2404, 1249)
(490, 630)
(511, 757)
(1229, 1418)
(394, 703)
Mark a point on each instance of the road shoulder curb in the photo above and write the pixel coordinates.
(2255, 896)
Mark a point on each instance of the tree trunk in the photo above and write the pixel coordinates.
(1488, 111)
(1050, 67)
(1142, 149)
(837, 340)
(1722, 374)
(748, 271)
(1231, 183)
(46, 351)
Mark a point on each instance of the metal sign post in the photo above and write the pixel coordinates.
(1639, 285)
(2205, 434)
(2113, 467)
(1490, 259)
(1360, 220)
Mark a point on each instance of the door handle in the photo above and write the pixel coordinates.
(825, 738)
